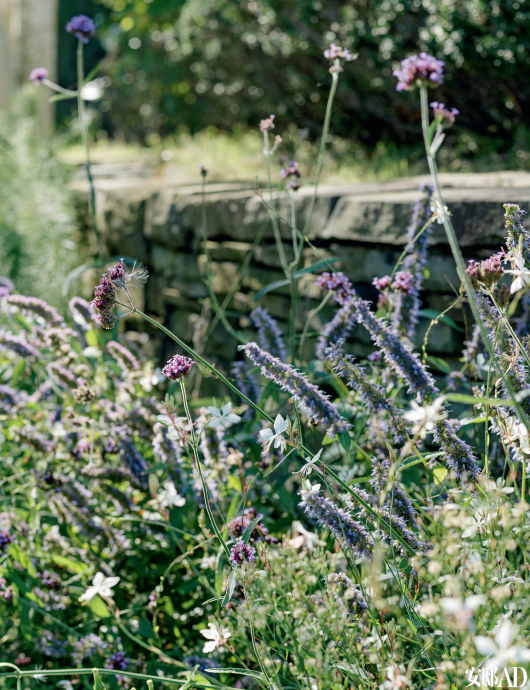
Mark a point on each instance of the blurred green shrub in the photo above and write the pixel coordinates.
(37, 239)
(196, 63)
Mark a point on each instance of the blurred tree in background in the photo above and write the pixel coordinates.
(227, 63)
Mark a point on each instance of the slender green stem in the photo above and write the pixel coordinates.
(458, 257)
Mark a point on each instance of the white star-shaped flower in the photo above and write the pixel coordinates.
(222, 417)
(216, 637)
(520, 273)
(501, 649)
(424, 418)
(169, 497)
(268, 436)
(306, 470)
(100, 585)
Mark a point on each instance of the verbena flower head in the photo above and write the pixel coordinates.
(291, 172)
(38, 75)
(403, 282)
(118, 661)
(447, 116)
(338, 283)
(204, 170)
(382, 283)
(337, 55)
(486, 274)
(105, 297)
(241, 552)
(177, 367)
(419, 70)
(268, 123)
(82, 27)
(310, 398)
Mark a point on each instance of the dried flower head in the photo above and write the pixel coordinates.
(419, 70)
(486, 274)
(82, 27)
(177, 367)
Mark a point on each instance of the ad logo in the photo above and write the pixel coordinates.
(490, 678)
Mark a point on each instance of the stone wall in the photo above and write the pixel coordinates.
(159, 221)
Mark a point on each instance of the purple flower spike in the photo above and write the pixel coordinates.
(241, 552)
(104, 301)
(419, 70)
(38, 75)
(338, 282)
(177, 367)
(82, 27)
(448, 116)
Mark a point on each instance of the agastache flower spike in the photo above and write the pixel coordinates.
(82, 313)
(372, 394)
(33, 306)
(247, 385)
(8, 341)
(310, 398)
(347, 596)
(351, 533)
(518, 237)
(337, 330)
(338, 283)
(123, 356)
(269, 334)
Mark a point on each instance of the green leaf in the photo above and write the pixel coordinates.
(19, 370)
(233, 482)
(440, 473)
(440, 364)
(345, 440)
(327, 440)
(239, 671)
(61, 97)
(230, 586)
(281, 283)
(98, 683)
(75, 566)
(21, 556)
(98, 607)
(433, 314)
(250, 528)
(91, 337)
(145, 629)
(92, 73)
(270, 287)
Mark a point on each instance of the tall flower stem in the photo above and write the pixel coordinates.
(457, 254)
(83, 126)
(194, 447)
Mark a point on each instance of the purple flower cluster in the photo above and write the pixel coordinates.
(38, 75)
(105, 296)
(347, 596)
(372, 394)
(118, 661)
(458, 455)
(164, 447)
(486, 274)
(241, 552)
(123, 356)
(291, 172)
(51, 645)
(336, 55)
(50, 580)
(340, 523)
(403, 282)
(132, 460)
(338, 283)
(33, 306)
(57, 371)
(87, 646)
(6, 286)
(11, 399)
(447, 116)
(247, 385)
(5, 540)
(82, 27)
(239, 524)
(177, 367)
(419, 70)
(382, 284)
(19, 345)
(268, 123)
(516, 231)
(311, 399)
(406, 305)
(83, 313)
(269, 334)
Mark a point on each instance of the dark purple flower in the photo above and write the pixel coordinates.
(5, 540)
(338, 282)
(241, 552)
(374, 356)
(269, 333)
(177, 367)
(82, 27)
(38, 75)
(290, 169)
(104, 301)
(419, 70)
(117, 662)
(448, 116)
(204, 171)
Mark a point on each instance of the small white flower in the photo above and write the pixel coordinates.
(100, 585)
(222, 417)
(308, 489)
(437, 211)
(462, 611)
(395, 679)
(520, 273)
(424, 418)
(306, 470)
(168, 497)
(268, 436)
(502, 648)
(310, 539)
(216, 635)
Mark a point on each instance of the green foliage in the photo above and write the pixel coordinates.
(37, 230)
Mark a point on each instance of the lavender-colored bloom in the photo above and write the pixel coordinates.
(454, 379)
(269, 335)
(11, 399)
(458, 455)
(291, 169)
(5, 540)
(6, 286)
(347, 596)
(123, 356)
(33, 306)
(177, 367)
(448, 116)
(380, 468)
(33, 438)
(247, 385)
(203, 664)
(473, 346)
(105, 297)
(83, 313)
(516, 231)
(19, 345)
(398, 503)
(311, 399)
(401, 528)
(49, 579)
(337, 55)
(133, 461)
(486, 274)
(406, 305)
(353, 535)
(372, 394)
(51, 645)
(268, 123)
(82, 27)
(118, 661)
(403, 282)
(38, 75)
(337, 330)
(419, 70)
(239, 524)
(63, 374)
(338, 283)
(382, 283)
(241, 552)
(86, 647)
(374, 356)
